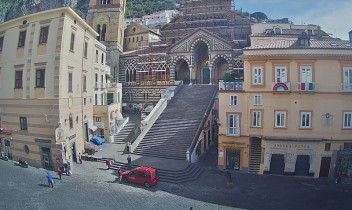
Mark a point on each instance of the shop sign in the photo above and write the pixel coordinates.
(72, 137)
(59, 134)
(234, 145)
(294, 146)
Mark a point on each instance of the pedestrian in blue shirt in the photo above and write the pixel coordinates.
(50, 180)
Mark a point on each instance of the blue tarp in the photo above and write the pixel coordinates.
(97, 140)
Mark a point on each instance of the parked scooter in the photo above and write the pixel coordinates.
(22, 163)
(4, 156)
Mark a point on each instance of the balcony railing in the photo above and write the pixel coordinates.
(146, 83)
(346, 87)
(230, 85)
(233, 131)
(162, 82)
(281, 86)
(306, 86)
(97, 85)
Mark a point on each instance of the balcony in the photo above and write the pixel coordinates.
(346, 87)
(230, 85)
(306, 86)
(162, 82)
(281, 87)
(233, 131)
(146, 83)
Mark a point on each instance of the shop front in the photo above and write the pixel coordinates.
(233, 155)
(290, 157)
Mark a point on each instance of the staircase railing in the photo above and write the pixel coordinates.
(200, 128)
(149, 121)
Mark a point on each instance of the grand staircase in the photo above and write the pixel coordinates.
(173, 132)
(255, 151)
(123, 135)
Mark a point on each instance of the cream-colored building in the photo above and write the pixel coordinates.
(107, 97)
(293, 113)
(138, 36)
(46, 86)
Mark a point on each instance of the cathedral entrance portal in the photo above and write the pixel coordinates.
(201, 58)
(182, 71)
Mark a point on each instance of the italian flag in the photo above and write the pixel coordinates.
(306, 86)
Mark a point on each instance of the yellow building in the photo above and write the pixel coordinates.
(293, 113)
(46, 86)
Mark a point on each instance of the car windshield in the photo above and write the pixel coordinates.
(155, 173)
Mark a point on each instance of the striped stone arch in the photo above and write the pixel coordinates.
(213, 59)
(177, 58)
(205, 40)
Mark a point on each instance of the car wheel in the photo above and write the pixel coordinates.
(146, 184)
(125, 180)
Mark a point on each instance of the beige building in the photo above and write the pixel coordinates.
(138, 36)
(293, 113)
(107, 97)
(46, 86)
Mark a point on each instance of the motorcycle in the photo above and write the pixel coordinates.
(22, 163)
(4, 156)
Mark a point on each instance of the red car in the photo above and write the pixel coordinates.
(142, 175)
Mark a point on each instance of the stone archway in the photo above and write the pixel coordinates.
(201, 72)
(220, 67)
(182, 71)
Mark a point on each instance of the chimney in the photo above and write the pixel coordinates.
(350, 35)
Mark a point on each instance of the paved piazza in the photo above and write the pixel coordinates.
(93, 187)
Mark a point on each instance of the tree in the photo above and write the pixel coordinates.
(228, 78)
(260, 16)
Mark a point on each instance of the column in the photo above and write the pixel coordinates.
(210, 72)
(190, 74)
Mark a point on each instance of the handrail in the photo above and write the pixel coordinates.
(148, 122)
(200, 128)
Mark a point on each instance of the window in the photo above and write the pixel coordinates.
(84, 101)
(70, 82)
(96, 99)
(281, 74)
(1, 42)
(233, 100)
(85, 83)
(98, 31)
(327, 146)
(277, 31)
(26, 149)
(23, 123)
(280, 119)
(98, 119)
(257, 75)
(22, 39)
(18, 79)
(347, 79)
(110, 98)
(257, 117)
(257, 100)
(118, 97)
(102, 99)
(306, 78)
(306, 119)
(40, 78)
(72, 43)
(102, 58)
(233, 128)
(43, 37)
(71, 120)
(96, 56)
(309, 32)
(347, 117)
(86, 49)
(103, 32)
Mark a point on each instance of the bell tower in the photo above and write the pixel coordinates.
(107, 18)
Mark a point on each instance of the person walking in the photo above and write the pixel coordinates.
(66, 168)
(107, 164)
(59, 172)
(129, 160)
(339, 178)
(128, 144)
(80, 158)
(50, 179)
(69, 169)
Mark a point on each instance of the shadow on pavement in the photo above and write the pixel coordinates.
(43, 185)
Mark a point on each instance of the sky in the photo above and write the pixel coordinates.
(334, 16)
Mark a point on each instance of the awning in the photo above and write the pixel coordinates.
(93, 128)
(110, 76)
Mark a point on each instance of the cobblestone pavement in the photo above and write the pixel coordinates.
(93, 187)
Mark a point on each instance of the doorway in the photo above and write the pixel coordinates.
(206, 76)
(302, 165)
(8, 149)
(233, 159)
(74, 153)
(325, 166)
(277, 164)
(46, 158)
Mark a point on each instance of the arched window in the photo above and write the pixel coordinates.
(134, 75)
(277, 30)
(131, 76)
(103, 32)
(310, 32)
(127, 76)
(98, 30)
